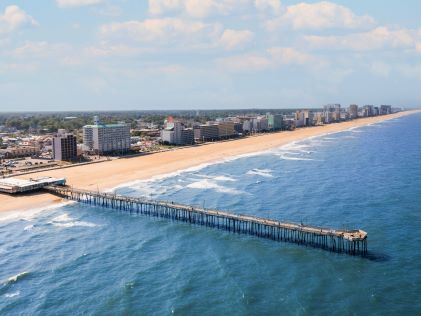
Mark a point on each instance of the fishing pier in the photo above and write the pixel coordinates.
(353, 242)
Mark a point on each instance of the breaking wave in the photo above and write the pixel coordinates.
(66, 221)
(16, 278)
(207, 184)
(261, 172)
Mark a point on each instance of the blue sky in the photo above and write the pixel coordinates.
(203, 54)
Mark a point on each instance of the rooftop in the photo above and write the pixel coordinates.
(108, 125)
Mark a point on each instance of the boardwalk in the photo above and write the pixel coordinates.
(352, 242)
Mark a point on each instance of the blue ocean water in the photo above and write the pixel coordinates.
(78, 259)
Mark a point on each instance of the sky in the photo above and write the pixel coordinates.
(67, 55)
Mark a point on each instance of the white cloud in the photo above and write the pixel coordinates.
(378, 38)
(320, 15)
(43, 53)
(110, 10)
(77, 3)
(172, 33)
(272, 57)
(194, 8)
(289, 56)
(155, 29)
(246, 62)
(31, 49)
(204, 8)
(107, 50)
(268, 5)
(14, 18)
(231, 39)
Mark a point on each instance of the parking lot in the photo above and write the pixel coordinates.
(18, 165)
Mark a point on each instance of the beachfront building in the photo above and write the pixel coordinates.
(353, 111)
(328, 111)
(174, 133)
(289, 122)
(260, 124)
(206, 132)
(385, 109)
(238, 127)
(247, 126)
(226, 129)
(332, 113)
(318, 118)
(303, 118)
(368, 110)
(274, 121)
(64, 146)
(106, 138)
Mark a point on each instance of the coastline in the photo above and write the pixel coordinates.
(107, 175)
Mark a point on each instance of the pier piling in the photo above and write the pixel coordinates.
(353, 242)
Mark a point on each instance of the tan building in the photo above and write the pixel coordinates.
(353, 111)
(20, 151)
(226, 129)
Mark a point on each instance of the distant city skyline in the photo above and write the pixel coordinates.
(103, 55)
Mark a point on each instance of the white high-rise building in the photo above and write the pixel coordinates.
(106, 138)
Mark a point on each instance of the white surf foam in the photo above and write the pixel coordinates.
(224, 178)
(66, 221)
(294, 146)
(15, 278)
(135, 183)
(285, 157)
(207, 184)
(29, 227)
(30, 214)
(11, 295)
(267, 173)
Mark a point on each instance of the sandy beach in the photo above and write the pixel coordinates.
(109, 174)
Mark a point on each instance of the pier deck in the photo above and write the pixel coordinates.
(16, 185)
(352, 242)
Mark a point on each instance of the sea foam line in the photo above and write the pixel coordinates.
(29, 214)
(270, 151)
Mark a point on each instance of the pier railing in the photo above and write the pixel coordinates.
(352, 242)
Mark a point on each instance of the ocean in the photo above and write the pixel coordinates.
(76, 259)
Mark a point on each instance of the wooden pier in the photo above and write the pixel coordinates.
(353, 242)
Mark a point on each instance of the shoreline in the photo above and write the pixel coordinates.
(111, 174)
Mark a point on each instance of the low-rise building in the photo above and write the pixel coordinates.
(20, 151)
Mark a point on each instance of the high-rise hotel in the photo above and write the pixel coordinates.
(64, 146)
(106, 138)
